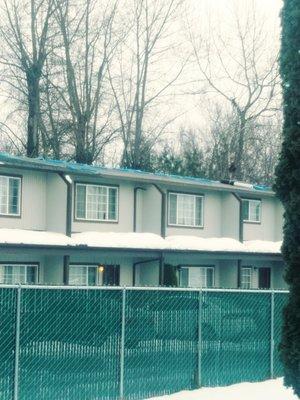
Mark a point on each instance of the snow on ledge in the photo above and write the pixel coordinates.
(139, 241)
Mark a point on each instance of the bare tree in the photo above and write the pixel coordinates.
(87, 44)
(236, 70)
(25, 31)
(138, 82)
(261, 146)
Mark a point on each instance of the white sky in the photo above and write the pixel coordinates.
(217, 16)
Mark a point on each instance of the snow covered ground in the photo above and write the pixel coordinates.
(272, 389)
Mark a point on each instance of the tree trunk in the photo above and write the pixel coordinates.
(240, 148)
(32, 149)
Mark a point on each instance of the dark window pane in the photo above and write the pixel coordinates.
(172, 208)
(92, 276)
(80, 201)
(209, 277)
(112, 204)
(264, 278)
(13, 201)
(199, 205)
(184, 277)
(31, 275)
(245, 210)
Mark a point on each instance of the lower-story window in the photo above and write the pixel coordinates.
(246, 278)
(94, 275)
(18, 273)
(197, 276)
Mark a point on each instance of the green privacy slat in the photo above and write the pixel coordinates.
(280, 300)
(7, 341)
(236, 338)
(71, 341)
(161, 342)
(70, 344)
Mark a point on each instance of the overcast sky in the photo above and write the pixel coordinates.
(217, 16)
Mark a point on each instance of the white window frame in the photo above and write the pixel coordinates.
(260, 206)
(13, 265)
(86, 266)
(107, 187)
(7, 213)
(205, 268)
(190, 195)
(243, 283)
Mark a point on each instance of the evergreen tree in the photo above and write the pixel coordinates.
(287, 187)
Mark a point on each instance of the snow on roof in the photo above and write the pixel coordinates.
(22, 236)
(204, 244)
(263, 246)
(126, 173)
(141, 241)
(130, 240)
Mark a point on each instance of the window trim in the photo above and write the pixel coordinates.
(20, 178)
(249, 221)
(250, 268)
(105, 221)
(212, 267)
(181, 225)
(35, 264)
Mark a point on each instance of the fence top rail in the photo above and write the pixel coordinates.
(141, 288)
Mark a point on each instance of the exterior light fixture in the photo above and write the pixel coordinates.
(101, 268)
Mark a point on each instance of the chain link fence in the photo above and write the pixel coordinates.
(116, 343)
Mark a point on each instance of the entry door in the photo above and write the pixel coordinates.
(264, 278)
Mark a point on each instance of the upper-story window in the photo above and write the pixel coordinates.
(96, 202)
(251, 210)
(185, 210)
(10, 193)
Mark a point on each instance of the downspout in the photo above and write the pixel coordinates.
(68, 181)
(163, 210)
(134, 206)
(241, 223)
(161, 270)
(241, 235)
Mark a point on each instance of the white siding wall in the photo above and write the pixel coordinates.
(33, 201)
(267, 229)
(230, 219)
(151, 218)
(56, 203)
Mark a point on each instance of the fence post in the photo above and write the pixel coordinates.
(199, 377)
(17, 346)
(272, 337)
(122, 350)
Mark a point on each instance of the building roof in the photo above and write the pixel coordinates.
(136, 241)
(72, 168)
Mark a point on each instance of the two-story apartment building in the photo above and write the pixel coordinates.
(65, 223)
